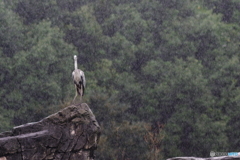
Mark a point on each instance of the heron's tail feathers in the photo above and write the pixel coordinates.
(80, 90)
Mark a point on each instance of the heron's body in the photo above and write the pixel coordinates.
(79, 80)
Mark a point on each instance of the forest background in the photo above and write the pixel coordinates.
(163, 76)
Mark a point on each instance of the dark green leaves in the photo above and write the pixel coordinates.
(147, 63)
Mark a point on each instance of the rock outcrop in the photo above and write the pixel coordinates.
(210, 158)
(70, 134)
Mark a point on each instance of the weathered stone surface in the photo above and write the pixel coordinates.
(210, 158)
(70, 134)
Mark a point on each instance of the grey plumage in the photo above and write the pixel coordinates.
(79, 80)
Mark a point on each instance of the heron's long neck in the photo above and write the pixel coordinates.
(75, 64)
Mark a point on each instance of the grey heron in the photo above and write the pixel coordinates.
(79, 80)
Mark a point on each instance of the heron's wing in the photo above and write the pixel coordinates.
(82, 76)
(84, 80)
(73, 75)
(83, 89)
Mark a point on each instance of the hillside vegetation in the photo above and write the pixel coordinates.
(163, 76)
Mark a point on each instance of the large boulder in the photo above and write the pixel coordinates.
(70, 134)
(210, 158)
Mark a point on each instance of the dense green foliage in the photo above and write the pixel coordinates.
(163, 76)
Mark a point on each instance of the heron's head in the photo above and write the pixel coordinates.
(75, 57)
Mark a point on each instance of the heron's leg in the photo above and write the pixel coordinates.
(80, 99)
(81, 93)
(75, 95)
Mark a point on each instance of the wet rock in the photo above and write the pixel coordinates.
(210, 158)
(71, 133)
